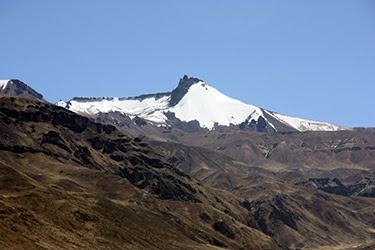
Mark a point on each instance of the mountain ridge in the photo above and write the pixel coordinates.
(18, 88)
(195, 101)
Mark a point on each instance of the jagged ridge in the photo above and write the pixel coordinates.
(193, 100)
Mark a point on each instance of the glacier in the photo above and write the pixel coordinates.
(200, 102)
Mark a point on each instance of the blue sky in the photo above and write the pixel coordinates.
(309, 59)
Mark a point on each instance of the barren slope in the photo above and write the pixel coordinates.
(67, 182)
(299, 217)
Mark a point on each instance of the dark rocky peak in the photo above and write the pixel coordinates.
(18, 88)
(139, 98)
(91, 99)
(182, 88)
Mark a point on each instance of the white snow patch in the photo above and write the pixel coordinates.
(61, 104)
(208, 106)
(150, 109)
(3, 84)
(202, 103)
(305, 125)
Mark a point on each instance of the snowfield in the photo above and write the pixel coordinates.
(202, 103)
(208, 106)
(150, 109)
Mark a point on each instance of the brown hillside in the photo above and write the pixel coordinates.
(67, 182)
(299, 217)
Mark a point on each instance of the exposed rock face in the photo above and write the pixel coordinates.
(260, 125)
(333, 186)
(192, 126)
(364, 187)
(182, 89)
(224, 229)
(54, 137)
(17, 88)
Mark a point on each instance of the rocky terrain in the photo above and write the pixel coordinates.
(346, 155)
(67, 182)
(81, 184)
(309, 214)
(18, 88)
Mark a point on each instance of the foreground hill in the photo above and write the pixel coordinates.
(67, 182)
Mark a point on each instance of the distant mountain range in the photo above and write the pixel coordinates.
(193, 106)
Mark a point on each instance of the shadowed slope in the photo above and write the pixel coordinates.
(67, 182)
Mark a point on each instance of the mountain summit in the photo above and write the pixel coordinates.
(18, 88)
(182, 88)
(195, 102)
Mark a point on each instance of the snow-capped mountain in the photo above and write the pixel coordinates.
(18, 88)
(191, 102)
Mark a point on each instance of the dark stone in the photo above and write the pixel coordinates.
(84, 217)
(205, 217)
(123, 147)
(74, 122)
(165, 186)
(191, 126)
(333, 186)
(224, 229)
(26, 116)
(172, 191)
(117, 157)
(258, 126)
(139, 121)
(134, 160)
(176, 160)
(218, 243)
(152, 161)
(182, 88)
(110, 147)
(53, 137)
(108, 129)
(280, 212)
(258, 219)
(137, 176)
(96, 143)
(246, 204)
(137, 139)
(262, 124)
(83, 154)
(338, 150)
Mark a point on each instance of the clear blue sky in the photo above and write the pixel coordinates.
(309, 59)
